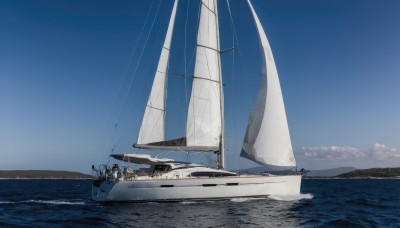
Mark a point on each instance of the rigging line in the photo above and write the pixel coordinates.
(180, 76)
(164, 153)
(193, 55)
(197, 157)
(137, 66)
(233, 74)
(121, 85)
(185, 58)
(140, 57)
(241, 59)
(228, 49)
(210, 159)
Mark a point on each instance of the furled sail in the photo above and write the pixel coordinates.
(153, 123)
(267, 139)
(204, 122)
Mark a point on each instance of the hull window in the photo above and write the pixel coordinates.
(166, 186)
(209, 185)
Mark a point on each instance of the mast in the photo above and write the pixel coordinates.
(221, 155)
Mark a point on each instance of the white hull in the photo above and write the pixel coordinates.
(196, 188)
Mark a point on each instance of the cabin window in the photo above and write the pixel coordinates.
(162, 168)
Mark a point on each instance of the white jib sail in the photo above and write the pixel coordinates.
(204, 121)
(267, 139)
(153, 123)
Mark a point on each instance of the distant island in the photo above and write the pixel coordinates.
(373, 173)
(329, 172)
(341, 172)
(42, 174)
(355, 173)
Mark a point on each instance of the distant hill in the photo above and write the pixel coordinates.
(42, 174)
(376, 172)
(330, 172)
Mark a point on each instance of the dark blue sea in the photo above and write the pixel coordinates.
(323, 203)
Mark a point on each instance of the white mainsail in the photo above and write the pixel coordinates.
(204, 122)
(267, 139)
(153, 123)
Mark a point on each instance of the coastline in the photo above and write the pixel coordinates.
(43, 174)
(350, 178)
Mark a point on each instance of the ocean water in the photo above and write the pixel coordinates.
(323, 203)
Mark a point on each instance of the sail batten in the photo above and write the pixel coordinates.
(267, 140)
(153, 123)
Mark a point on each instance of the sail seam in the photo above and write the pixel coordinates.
(156, 108)
(207, 79)
(208, 8)
(162, 72)
(211, 48)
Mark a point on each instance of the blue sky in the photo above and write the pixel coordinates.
(66, 69)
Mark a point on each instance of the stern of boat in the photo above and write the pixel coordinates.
(101, 189)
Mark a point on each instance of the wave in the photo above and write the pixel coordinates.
(152, 203)
(244, 199)
(5, 202)
(291, 197)
(188, 202)
(56, 202)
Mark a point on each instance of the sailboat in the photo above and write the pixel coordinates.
(267, 140)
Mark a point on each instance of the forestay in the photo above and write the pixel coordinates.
(267, 140)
